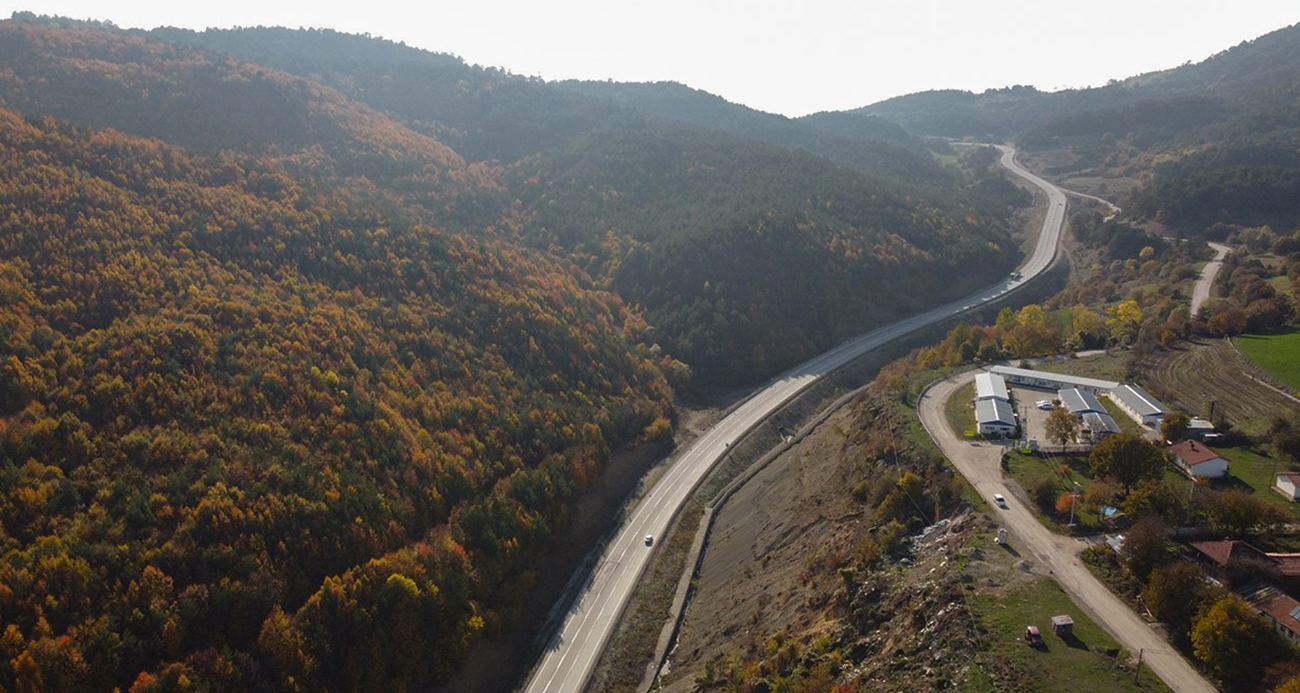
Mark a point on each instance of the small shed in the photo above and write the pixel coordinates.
(1288, 485)
(1063, 625)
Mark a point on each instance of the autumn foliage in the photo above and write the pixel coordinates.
(263, 437)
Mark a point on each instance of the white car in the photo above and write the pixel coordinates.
(649, 540)
(1044, 404)
(997, 498)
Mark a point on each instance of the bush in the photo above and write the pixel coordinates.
(1044, 493)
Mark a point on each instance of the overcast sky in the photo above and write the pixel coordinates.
(791, 57)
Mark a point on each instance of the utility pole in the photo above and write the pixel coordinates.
(1138, 669)
(1074, 500)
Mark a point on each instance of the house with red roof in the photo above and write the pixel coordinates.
(1284, 566)
(1275, 605)
(1198, 460)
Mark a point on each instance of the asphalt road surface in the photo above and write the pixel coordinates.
(1202, 291)
(572, 653)
(1051, 553)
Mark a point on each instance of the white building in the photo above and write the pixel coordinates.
(1198, 461)
(995, 417)
(1098, 425)
(1139, 404)
(991, 386)
(1080, 402)
(1050, 381)
(1288, 485)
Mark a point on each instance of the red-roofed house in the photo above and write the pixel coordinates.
(1199, 461)
(1288, 485)
(1276, 606)
(1220, 553)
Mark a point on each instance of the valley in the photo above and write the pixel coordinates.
(331, 363)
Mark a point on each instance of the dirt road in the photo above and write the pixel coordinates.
(1201, 293)
(1050, 553)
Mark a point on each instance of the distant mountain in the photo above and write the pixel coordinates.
(210, 103)
(656, 171)
(887, 151)
(1228, 121)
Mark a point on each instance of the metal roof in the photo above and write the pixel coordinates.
(1138, 400)
(991, 386)
(1059, 378)
(1100, 423)
(994, 411)
(1080, 401)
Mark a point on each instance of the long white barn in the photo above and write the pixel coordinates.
(1051, 381)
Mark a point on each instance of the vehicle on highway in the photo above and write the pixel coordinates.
(1033, 637)
(649, 540)
(1045, 404)
(1016, 274)
(997, 498)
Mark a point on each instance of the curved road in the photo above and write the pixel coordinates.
(1052, 553)
(572, 653)
(1201, 292)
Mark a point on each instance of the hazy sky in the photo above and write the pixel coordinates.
(786, 57)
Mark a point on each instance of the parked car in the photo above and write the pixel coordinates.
(997, 498)
(1033, 637)
(1044, 404)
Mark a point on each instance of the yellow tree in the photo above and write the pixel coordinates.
(1125, 319)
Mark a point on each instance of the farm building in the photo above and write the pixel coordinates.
(1098, 425)
(991, 386)
(1288, 485)
(1050, 381)
(1281, 610)
(1199, 428)
(1080, 402)
(1197, 460)
(995, 417)
(1139, 404)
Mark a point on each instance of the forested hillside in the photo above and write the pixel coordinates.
(747, 258)
(1211, 143)
(253, 435)
(210, 103)
(878, 149)
(651, 208)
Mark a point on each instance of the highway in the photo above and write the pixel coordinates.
(572, 653)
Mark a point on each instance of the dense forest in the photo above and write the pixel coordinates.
(257, 436)
(649, 206)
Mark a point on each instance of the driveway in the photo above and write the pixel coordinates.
(1049, 553)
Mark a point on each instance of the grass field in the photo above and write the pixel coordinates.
(1279, 354)
(961, 413)
(1028, 469)
(1079, 664)
(1256, 471)
(1110, 366)
(1126, 422)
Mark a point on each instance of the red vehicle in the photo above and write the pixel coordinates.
(1033, 637)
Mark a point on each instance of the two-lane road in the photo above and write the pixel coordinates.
(572, 653)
